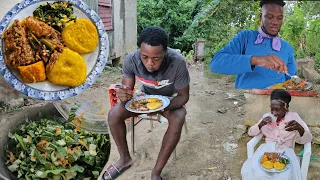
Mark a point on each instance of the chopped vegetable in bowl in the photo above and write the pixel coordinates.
(50, 149)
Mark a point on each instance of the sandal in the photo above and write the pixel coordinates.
(113, 172)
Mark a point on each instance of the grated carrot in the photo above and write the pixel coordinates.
(83, 144)
(78, 127)
(11, 157)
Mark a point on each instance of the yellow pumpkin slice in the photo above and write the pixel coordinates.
(263, 159)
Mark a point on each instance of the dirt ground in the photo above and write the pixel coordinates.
(214, 147)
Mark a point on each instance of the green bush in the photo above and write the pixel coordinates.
(300, 53)
(313, 36)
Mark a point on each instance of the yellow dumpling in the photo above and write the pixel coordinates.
(68, 70)
(279, 166)
(150, 100)
(154, 105)
(267, 164)
(81, 36)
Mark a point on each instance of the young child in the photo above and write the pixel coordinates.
(280, 127)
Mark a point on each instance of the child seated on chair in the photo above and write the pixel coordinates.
(280, 132)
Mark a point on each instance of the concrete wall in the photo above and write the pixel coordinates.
(130, 35)
(123, 38)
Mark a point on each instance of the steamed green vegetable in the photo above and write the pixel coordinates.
(53, 150)
(56, 14)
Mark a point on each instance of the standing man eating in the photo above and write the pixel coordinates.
(259, 58)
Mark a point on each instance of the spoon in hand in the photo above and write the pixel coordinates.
(295, 79)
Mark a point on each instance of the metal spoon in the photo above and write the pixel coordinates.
(295, 79)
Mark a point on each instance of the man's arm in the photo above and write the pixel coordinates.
(180, 100)
(230, 60)
(125, 92)
(129, 82)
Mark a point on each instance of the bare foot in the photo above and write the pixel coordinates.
(120, 164)
(155, 176)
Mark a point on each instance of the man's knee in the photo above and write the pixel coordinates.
(118, 113)
(178, 117)
(113, 116)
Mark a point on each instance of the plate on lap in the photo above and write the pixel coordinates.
(272, 165)
(147, 104)
(45, 88)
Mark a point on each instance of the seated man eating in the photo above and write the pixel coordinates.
(162, 71)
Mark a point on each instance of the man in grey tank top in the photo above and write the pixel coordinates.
(162, 71)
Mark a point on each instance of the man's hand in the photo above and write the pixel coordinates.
(294, 125)
(124, 93)
(265, 121)
(270, 61)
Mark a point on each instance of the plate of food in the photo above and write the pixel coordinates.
(52, 50)
(302, 85)
(274, 162)
(147, 104)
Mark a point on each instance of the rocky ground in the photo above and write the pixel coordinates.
(214, 147)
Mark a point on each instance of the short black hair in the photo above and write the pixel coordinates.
(280, 94)
(154, 36)
(279, 2)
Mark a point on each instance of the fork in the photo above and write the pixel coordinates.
(281, 154)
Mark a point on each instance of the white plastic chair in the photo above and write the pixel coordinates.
(305, 160)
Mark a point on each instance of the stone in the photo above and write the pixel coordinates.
(310, 74)
(304, 62)
(230, 147)
(315, 164)
(222, 110)
(315, 131)
(15, 103)
(230, 138)
(241, 129)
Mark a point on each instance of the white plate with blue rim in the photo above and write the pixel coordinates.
(164, 99)
(46, 90)
(273, 170)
